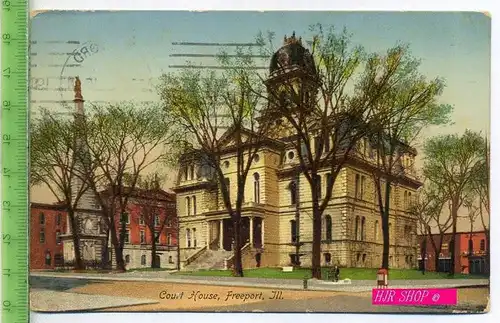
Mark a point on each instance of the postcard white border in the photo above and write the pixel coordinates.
(490, 6)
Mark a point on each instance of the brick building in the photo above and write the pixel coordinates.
(277, 196)
(470, 252)
(146, 210)
(47, 224)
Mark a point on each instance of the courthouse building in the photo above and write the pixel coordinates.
(276, 195)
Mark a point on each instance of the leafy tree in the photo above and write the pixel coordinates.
(480, 188)
(54, 150)
(156, 209)
(218, 113)
(407, 108)
(450, 164)
(123, 141)
(351, 94)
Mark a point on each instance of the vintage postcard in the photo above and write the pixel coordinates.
(259, 162)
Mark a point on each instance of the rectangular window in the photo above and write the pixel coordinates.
(42, 236)
(194, 204)
(444, 247)
(327, 145)
(125, 218)
(42, 218)
(143, 236)
(482, 245)
(356, 186)
(157, 236)
(228, 187)
(317, 146)
(127, 236)
(362, 188)
(157, 220)
(58, 219)
(141, 220)
(58, 237)
(188, 205)
(169, 239)
(169, 223)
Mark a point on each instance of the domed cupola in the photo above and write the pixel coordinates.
(292, 55)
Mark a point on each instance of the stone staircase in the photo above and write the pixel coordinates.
(210, 259)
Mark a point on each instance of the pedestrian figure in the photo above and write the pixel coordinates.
(336, 273)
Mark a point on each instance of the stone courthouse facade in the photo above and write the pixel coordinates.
(351, 227)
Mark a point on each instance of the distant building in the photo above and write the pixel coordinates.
(470, 253)
(277, 194)
(94, 241)
(47, 224)
(159, 207)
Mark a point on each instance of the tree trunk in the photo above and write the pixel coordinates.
(385, 225)
(423, 253)
(487, 258)
(75, 229)
(105, 252)
(120, 263)
(237, 263)
(316, 247)
(454, 215)
(386, 236)
(153, 250)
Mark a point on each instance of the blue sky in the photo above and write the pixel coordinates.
(134, 48)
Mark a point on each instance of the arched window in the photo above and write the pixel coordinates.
(328, 228)
(143, 260)
(188, 205)
(409, 199)
(293, 192)
(58, 237)
(318, 186)
(256, 187)
(48, 258)
(375, 231)
(328, 257)
(193, 201)
(194, 237)
(191, 172)
(356, 226)
(363, 237)
(188, 238)
(185, 170)
(293, 229)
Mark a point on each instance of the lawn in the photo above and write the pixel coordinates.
(351, 273)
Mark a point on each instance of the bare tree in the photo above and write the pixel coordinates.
(409, 107)
(428, 208)
(218, 112)
(54, 161)
(156, 209)
(331, 106)
(450, 164)
(124, 140)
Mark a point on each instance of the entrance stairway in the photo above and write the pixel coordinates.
(210, 259)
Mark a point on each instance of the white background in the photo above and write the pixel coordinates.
(490, 6)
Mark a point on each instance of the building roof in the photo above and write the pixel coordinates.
(292, 54)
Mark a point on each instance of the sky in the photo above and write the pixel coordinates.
(122, 54)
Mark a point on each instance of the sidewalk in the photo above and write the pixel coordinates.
(290, 284)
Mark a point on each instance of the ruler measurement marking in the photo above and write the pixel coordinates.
(14, 163)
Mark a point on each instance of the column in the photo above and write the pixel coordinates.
(251, 231)
(207, 242)
(262, 228)
(221, 229)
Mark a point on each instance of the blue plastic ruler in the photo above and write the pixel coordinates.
(14, 161)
